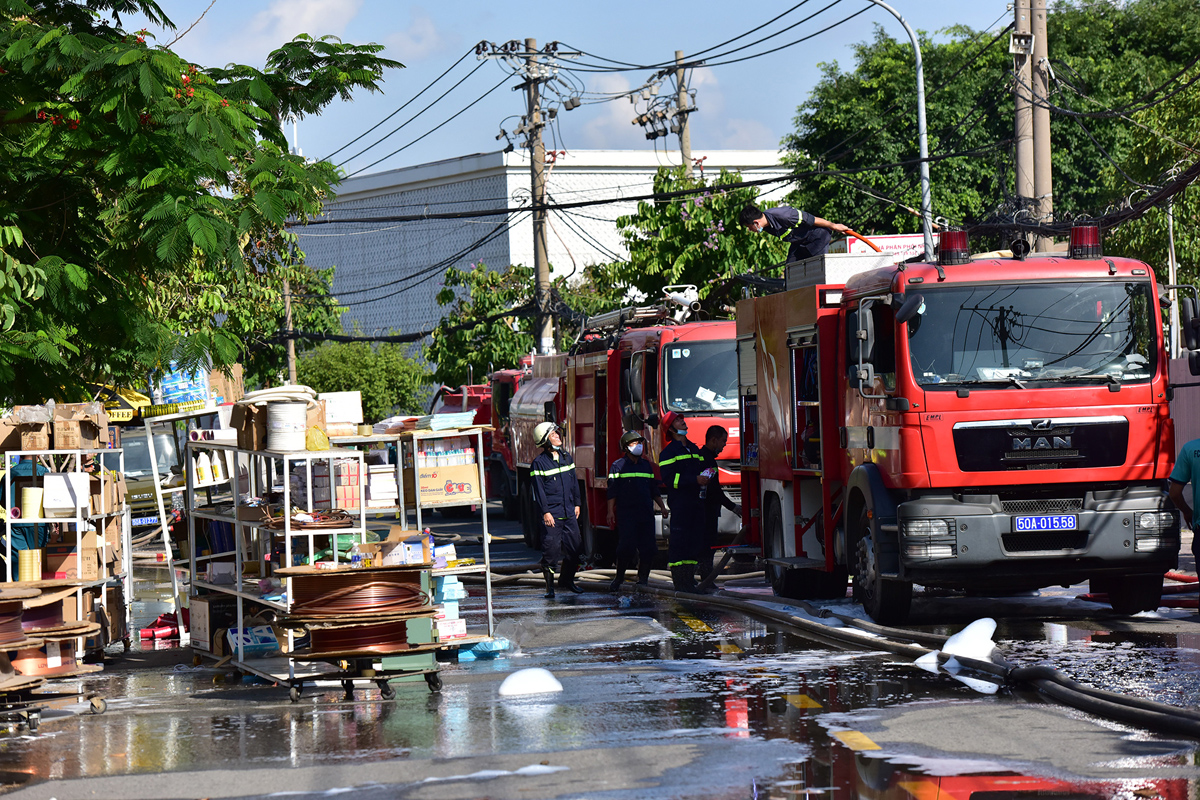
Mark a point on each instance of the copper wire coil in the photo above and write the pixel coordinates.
(337, 595)
(331, 518)
(383, 638)
(10, 622)
(42, 617)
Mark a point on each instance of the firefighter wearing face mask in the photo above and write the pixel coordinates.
(682, 465)
(632, 494)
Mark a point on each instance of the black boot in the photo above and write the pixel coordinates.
(682, 575)
(548, 576)
(644, 573)
(566, 578)
(615, 586)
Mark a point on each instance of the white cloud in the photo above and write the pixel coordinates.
(419, 40)
(283, 19)
(607, 126)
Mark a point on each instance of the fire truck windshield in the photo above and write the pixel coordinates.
(1023, 334)
(701, 376)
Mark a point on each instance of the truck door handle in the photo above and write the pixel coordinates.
(843, 438)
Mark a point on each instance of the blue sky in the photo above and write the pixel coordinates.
(746, 105)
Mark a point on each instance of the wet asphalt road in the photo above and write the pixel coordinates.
(660, 699)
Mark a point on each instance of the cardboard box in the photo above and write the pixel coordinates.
(10, 435)
(450, 628)
(251, 424)
(102, 493)
(65, 494)
(316, 416)
(112, 540)
(227, 388)
(35, 436)
(78, 427)
(257, 641)
(72, 561)
(342, 407)
(458, 485)
(208, 615)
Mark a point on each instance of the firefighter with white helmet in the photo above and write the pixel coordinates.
(556, 492)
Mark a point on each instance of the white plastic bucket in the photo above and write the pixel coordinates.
(286, 426)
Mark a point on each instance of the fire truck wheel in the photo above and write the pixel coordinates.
(886, 601)
(1130, 594)
(510, 501)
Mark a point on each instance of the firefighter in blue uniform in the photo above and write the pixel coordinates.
(806, 235)
(681, 463)
(714, 497)
(556, 492)
(632, 494)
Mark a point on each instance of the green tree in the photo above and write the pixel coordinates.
(1105, 54)
(391, 379)
(490, 318)
(137, 184)
(692, 240)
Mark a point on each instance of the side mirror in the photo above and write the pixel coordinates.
(548, 411)
(652, 420)
(1187, 324)
(862, 336)
(631, 421)
(1194, 362)
(911, 307)
(864, 375)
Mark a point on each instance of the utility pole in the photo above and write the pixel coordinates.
(537, 174)
(291, 341)
(1043, 187)
(1022, 49)
(683, 111)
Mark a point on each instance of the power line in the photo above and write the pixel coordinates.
(401, 108)
(434, 129)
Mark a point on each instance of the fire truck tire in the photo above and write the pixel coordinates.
(1131, 594)
(887, 601)
(510, 501)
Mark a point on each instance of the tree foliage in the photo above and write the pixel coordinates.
(693, 240)
(144, 198)
(391, 379)
(1105, 54)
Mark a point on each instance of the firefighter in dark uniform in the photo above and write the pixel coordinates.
(806, 235)
(681, 463)
(715, 439)
(556, 492)
(632, 495)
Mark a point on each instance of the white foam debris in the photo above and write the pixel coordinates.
(533, 680)
(973, 641)
(928, 662)
(982, 686)
(491, 774)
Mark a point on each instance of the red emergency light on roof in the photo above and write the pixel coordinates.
(953, 247)
(1085, 241)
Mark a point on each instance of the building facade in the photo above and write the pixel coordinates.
(388, 273)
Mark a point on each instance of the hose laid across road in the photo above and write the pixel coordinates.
(865, 635)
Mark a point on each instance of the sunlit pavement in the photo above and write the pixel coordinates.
(659, 699)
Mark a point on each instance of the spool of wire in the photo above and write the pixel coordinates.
(29, 565)
(384, 638)
(10, 622)
(342, 594)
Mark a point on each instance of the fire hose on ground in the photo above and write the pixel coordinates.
(865, 635)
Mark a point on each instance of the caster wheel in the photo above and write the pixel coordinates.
(348, 687)
(294, 692)
(385, 690)
(434, 680)
(125, 643)
(34, 721)
(99, 705)
(196, 660)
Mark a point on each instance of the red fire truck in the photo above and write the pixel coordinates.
(628, 368)
(987, 424)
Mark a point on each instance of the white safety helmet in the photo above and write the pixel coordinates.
(541, 433)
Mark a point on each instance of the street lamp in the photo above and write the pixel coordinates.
(922, 135)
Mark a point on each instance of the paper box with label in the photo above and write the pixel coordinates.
(451, 629)
(80, 426)
(449, 485)
(250, 422)
(342, 407)
(258, 641)
(35, 436)
(65, 494)
(72, 561)
(208, 615)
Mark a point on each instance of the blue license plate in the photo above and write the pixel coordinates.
(138, 522)
(1045, 522)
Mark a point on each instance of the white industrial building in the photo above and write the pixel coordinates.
(389, 272)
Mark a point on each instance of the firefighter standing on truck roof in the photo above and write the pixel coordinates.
(681, 463)
(632, 495)
(556, 492)
(806, 235)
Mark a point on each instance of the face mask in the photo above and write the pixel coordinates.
(681, 431)
(635, 448)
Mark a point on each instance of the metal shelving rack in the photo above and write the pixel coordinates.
(248, 534)
(83, 516)
(413, 439)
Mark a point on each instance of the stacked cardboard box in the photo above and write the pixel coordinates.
(382, 490)
(448, 592)
(347, 486)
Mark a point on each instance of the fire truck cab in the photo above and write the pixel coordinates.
(998, 424)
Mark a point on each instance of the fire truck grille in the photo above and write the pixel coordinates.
(1063, 506)
(1049, 541)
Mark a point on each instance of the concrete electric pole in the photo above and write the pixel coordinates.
(1043, 187)
(1021, 47)
(291, 342)
(682, 111)
(537, 174)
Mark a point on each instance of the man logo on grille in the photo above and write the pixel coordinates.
(1042, 443)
